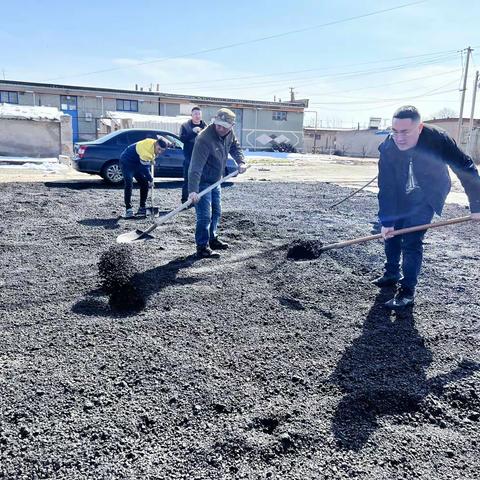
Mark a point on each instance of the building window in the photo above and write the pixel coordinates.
(127, 105)
(68, 103)
(279, 116)
(8, 97)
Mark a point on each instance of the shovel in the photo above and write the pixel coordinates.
(152, 211)
(141, 236)
(402, 231)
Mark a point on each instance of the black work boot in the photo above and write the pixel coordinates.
(403, 299)
(141, 212)
(204, 252)
(386, 280)
(217, 244)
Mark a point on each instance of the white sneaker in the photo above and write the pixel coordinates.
(129, 213)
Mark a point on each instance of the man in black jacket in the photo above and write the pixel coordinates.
(413, 183)
(188, 134)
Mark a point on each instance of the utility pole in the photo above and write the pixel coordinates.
(316, 126)
(472, 112)
(464, 89)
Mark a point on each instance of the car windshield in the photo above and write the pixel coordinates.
(176, 143)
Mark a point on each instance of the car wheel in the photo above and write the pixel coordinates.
(112, 173)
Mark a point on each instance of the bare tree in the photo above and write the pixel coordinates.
(445, 112)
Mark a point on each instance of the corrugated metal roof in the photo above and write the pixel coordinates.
(300, 104)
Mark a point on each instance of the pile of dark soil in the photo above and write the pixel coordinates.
(117, 270)
(302, 249)
(248, 366)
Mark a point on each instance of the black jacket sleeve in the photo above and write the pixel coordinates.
(387, 191)
(187, 135)
(464, 168)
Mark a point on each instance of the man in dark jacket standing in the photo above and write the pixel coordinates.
(188, 134)
(413, 183)
(209, 159)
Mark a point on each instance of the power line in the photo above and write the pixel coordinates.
(380, 100)
(248, 77)
(387, 84)
(348, 76)
(306, 81)
(360, 73)
(248, 42)
(385, 102)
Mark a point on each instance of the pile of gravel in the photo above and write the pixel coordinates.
(302, 249)
(117, 270)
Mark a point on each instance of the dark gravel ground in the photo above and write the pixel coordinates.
(247, 366)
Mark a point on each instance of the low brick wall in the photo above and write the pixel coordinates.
(36, 138)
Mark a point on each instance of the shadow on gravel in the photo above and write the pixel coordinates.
(156, 279)
(383, 372)
(106, 223)
(150, 282)
(112, 223)
(95, 304)
(100, 185)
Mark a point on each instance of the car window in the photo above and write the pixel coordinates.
(175, 142)
(117, 139)
(136, 136)
(154, 135)
(112, 138)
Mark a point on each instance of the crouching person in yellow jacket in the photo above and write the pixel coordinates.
(135, 162)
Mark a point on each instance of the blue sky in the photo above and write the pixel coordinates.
(350, 71)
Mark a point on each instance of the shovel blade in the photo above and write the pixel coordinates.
(135, 236)
(153, 211)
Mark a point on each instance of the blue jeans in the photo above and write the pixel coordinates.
(208, 210)
(410, 245)
(141, 175)
(186, 166)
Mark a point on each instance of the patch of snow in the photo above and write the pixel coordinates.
(27, 112)
(270, 154)
(47, 167)
(19, 160)
(138, 120)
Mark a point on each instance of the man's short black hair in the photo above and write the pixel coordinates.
(407, 111)
(162, 142)
(196, 108)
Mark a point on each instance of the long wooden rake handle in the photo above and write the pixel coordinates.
(353, 193)
(402, 231)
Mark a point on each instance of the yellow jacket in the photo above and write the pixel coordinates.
(146, 150)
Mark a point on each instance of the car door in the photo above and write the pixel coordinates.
(170, 163)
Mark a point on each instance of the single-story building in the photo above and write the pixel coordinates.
(345, 142)
(27, 131)
(260, 124)
(365, 142)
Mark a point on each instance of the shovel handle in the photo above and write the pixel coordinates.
(185, 205)
(402, 231)
(152, 172)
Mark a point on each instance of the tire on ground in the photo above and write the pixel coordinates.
(112, 173)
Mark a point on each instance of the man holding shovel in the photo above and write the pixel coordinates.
(209, 159)
(413, 182)
(135, 162)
